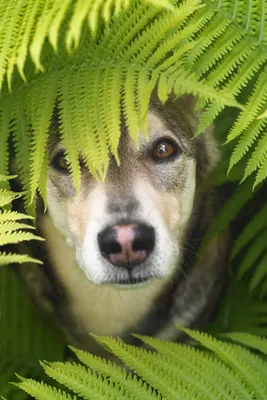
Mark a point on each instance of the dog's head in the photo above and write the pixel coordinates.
(129, 229)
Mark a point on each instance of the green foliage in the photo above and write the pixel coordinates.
(211, 50)
(101, 74)
(107, 69)
(25, 335)
(219, 370)
(11, 227)
(26, 24)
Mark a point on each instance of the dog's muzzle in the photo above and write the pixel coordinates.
(127, 245)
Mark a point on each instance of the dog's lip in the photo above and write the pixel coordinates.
(131, 283)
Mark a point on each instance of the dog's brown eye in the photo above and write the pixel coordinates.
(165, 149)
(61, 162)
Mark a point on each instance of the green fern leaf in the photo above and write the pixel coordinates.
(11, 226)
(40, 103)
(239, 359)
(86, 139)
(251, 230)
(217, 26)
(205, 365)
(83, 10)
(11, 258)
(253, 253)
(26, 32)
(5, 131)
(218, 50)
(21, 139)
(96, 154)
(46, 17)
(129, 105)
(41, 391)
(253, 107)
(259, 274)
(12, 215)
(262, 173)
(10, 22)
(7, 196)
(18, 53)
(240, 54)
(16, 237)
(208, 116)
(84, 382)
(253, 341)
(230, 209)
(67, 130)
(151, 366)
(130, 383)
(244, 144)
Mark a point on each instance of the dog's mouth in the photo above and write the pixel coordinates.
(131, 282)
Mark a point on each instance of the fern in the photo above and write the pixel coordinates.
(26, 24)
(97, 70)
(176, 47)
(175, 370)
(25, 335)
(11, 227)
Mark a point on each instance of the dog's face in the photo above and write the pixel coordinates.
(129, 229)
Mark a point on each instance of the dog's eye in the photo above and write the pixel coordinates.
(165, 149)
(61, 162)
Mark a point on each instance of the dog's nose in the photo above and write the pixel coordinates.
(126, 245)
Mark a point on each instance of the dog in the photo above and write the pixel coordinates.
(121, 256)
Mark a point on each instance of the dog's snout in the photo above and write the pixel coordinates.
(126, 245)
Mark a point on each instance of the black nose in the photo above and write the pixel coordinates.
(126, 245)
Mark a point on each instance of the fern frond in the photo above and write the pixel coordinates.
(11, 258)
(21, 138)
(261, 174)
(12, 215)
(85, 382)
(202, 364)
(239, 359)
(253, 253)
(253, 341)
(218, 25)
(27, 24)
(67, 129)
(130, 383)
(5, 132)
(246, 140)
(91, 11)
(11, 226)
(16, 237)
(87, 126)
(11, 20)
(176, 371)
(228, 212)
(42, 391)
(251, 230)
(151, 366)
(259, 274)
(40, 103)
(11, 229)
(253, 107)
